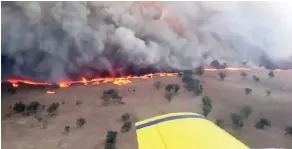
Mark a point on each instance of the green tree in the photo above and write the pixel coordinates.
(237, 120)
(80, 122)
(206, 110)
(53, 108)
(168, 95)
(222, 75)
(157, 85)
(271, 74)
(111, 139)
(248, 91)
(268, 92)
(243, 74)
(263, 123)
(126, 126)
(207, 101)
(288, 130)
(125, 117)
(19, 107)
(67, 129)
(246, 111)
(110, 94)
(207, 105)
(174, 88)
(256, 79)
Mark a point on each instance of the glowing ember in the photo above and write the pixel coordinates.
(15, 85)
(120, 80)
(50, 92)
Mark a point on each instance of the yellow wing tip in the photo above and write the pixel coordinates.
(164, 116)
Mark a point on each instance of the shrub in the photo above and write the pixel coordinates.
(67, 129)
(125, 117)
(80, 122)
(288, 130)
(271, 74)
(222, 75)
(207, 101)
(111, 94)
(78, 102)
(243, 74)
(157, 85)
(19, 107)
(126, 126)
(206, 110)
(168, 95)
(246, 111)
(237, 120)
(268, 93)
(263, 123)
(33, 106)
(219, 123)
(111, 139)
(256, 79)
(53, 108)
(248, 91)
(174, 88)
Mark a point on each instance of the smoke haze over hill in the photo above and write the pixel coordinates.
(54, 41)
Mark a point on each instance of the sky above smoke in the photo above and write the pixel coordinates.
(50, 40)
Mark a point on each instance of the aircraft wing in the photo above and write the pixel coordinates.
(183, 131)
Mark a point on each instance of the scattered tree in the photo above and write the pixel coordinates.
(219, 123)
(192, 85)
(207, 105)
(168, 95)
(111, 94)
(222, 75)
(174, 88)
(111, 139)
(248, 91)
(80, 122)
(157, 85)
(246, 111)
(53, 108)
(206, 110)
(271, 74)
(268, 92)
(256, 79)
(207, 101)
(288, 130)
(215, 64)
(243, 74)
(237, 120)
(19, 107)
(126, 126)
(125, 117)
(67, 129)
(32, 107)
(78, 102)
(263, 123)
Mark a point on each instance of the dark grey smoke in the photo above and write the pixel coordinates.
(62, 40)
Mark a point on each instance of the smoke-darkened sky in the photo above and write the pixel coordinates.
(57, 40)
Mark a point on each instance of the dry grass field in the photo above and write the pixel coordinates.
(142, 100)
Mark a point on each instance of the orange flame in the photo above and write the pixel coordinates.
(50, 92)
(121, 80)
(15, 85)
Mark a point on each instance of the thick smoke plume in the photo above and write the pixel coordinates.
(54, 41)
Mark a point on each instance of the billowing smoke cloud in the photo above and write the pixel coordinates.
(59, 40)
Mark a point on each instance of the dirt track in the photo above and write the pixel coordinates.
(21, 132)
